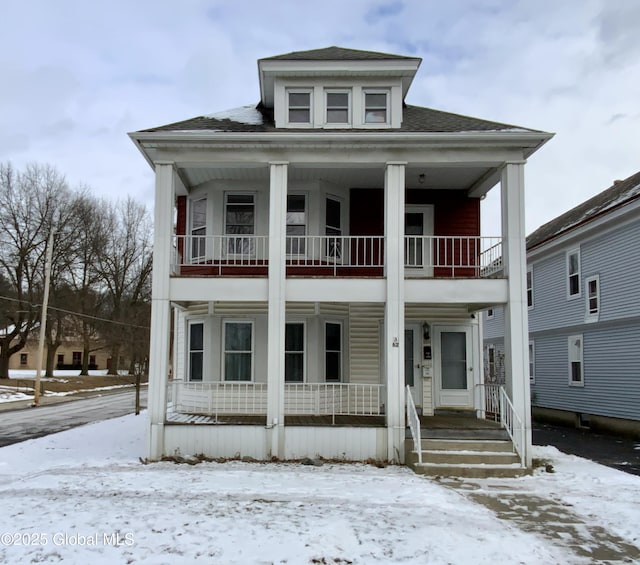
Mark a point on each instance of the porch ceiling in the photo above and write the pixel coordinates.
(454, 178)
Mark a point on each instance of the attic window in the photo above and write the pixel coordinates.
(337, 107)
(299, 107)
(376, 107)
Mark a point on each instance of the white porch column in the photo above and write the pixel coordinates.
(394, 308)
(160, 308)
(276, 317)
(516, 336)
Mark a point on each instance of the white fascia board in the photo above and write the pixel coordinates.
(592, 228)
(456, 291)
(526, 140)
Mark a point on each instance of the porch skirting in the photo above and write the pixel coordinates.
(230, 441)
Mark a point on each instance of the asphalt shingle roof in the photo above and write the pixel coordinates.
(335, 53)
(416, 119)
(620, 193)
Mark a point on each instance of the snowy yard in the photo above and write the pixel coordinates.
(82, 496)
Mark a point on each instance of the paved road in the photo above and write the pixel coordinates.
(29, 423)
(614, 451)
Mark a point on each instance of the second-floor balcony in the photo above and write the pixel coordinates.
(337, 256)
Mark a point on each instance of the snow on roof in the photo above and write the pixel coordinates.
(244, 115)
(619, 193)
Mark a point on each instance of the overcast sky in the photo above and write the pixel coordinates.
(76, 76)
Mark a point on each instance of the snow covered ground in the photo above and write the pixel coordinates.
(82, 496)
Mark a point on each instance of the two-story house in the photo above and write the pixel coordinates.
(583, 300)
(318, 257)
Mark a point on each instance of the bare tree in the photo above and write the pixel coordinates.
(29, 205)
(124, 265)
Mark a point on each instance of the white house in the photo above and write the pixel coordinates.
(317, 253)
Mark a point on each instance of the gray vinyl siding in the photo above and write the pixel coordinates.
(493, 327)
(614, 256)
(611, 373)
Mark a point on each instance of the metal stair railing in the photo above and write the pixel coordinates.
(414, 425)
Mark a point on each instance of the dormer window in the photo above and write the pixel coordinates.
(299, 106)
(376, 107)
(337, 104)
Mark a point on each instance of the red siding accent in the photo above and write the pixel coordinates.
(181, 219)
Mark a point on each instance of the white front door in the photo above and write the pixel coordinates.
(453, 366)
(418, 223)
(412, 363)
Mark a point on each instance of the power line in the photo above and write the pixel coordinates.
(99, 319)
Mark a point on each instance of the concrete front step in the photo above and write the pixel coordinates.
(469, 471)
(465, 458)
(503, 445)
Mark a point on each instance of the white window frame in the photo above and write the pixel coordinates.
(290, 91)
(532, 361)
(202, 245)
(224, 348)
(573, 358)
(578, 274)
(304, 351)
(190, 324)
(592, 315)
(346, 91)
(529, 289)
(387, 93)
(250, 236)
(301, 248)
(335, 252)
(490, 313)
(341, 351)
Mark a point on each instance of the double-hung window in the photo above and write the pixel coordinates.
(337, 107)
(532, 362)
(332, 351)
(240, 224)
(294, 352)
(299, 106)
(333, 229)
(592, 284)
(376, 107)
(576, 376)
(198, 226)
(573, 273)
(238, 351)
(296, 224)
(196, 351)
(529, 288)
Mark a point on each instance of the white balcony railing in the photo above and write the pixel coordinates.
(215, 252)
(425, 256)
(453, 256)
(248, 398)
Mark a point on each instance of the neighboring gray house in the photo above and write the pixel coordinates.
(583, 294)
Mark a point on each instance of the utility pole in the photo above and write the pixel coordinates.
(43, 317)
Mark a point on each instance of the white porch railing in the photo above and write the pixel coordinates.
(317, 399)
(453, 256)
(498, 405)
(335, 251)
(221, 251)
(414, 424)
(425, 256)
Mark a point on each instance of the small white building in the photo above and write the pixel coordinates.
(318, 253)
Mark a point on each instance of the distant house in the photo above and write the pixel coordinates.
(320, 260)
(583, 298)
(68, 355)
